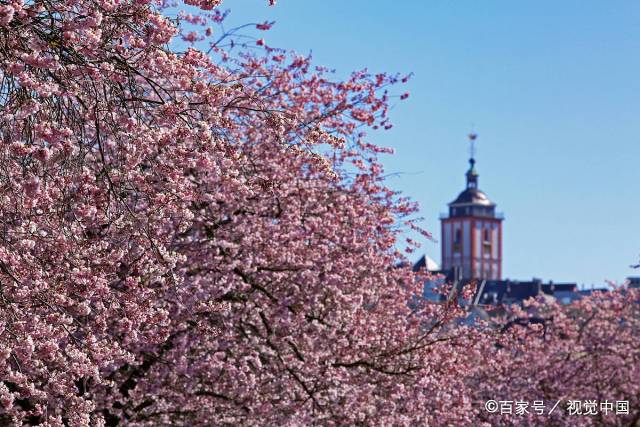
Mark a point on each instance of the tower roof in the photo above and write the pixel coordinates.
(427, 263)
(472, 195)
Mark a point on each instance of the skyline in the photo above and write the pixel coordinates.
(551, 90)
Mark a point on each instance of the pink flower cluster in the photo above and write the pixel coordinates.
(188, 237)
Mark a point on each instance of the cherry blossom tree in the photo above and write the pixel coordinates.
(195, 230)
(201, 236)
(581, 362)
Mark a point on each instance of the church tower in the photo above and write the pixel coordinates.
(472, 231)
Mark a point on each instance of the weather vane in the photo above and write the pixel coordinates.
(472, 140)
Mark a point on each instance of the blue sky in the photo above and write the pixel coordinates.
(551, 87)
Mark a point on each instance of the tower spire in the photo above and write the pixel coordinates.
(472, 145)
(472, 175)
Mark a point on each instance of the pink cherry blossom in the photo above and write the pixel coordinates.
(204, 236)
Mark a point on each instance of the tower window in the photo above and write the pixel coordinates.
(457, 241)
(486, 242)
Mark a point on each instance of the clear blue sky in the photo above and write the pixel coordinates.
(552, 88)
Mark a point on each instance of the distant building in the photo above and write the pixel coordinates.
(494, 292)
(633, 282)
(472, 253)
(497, 292)
(472, 231)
